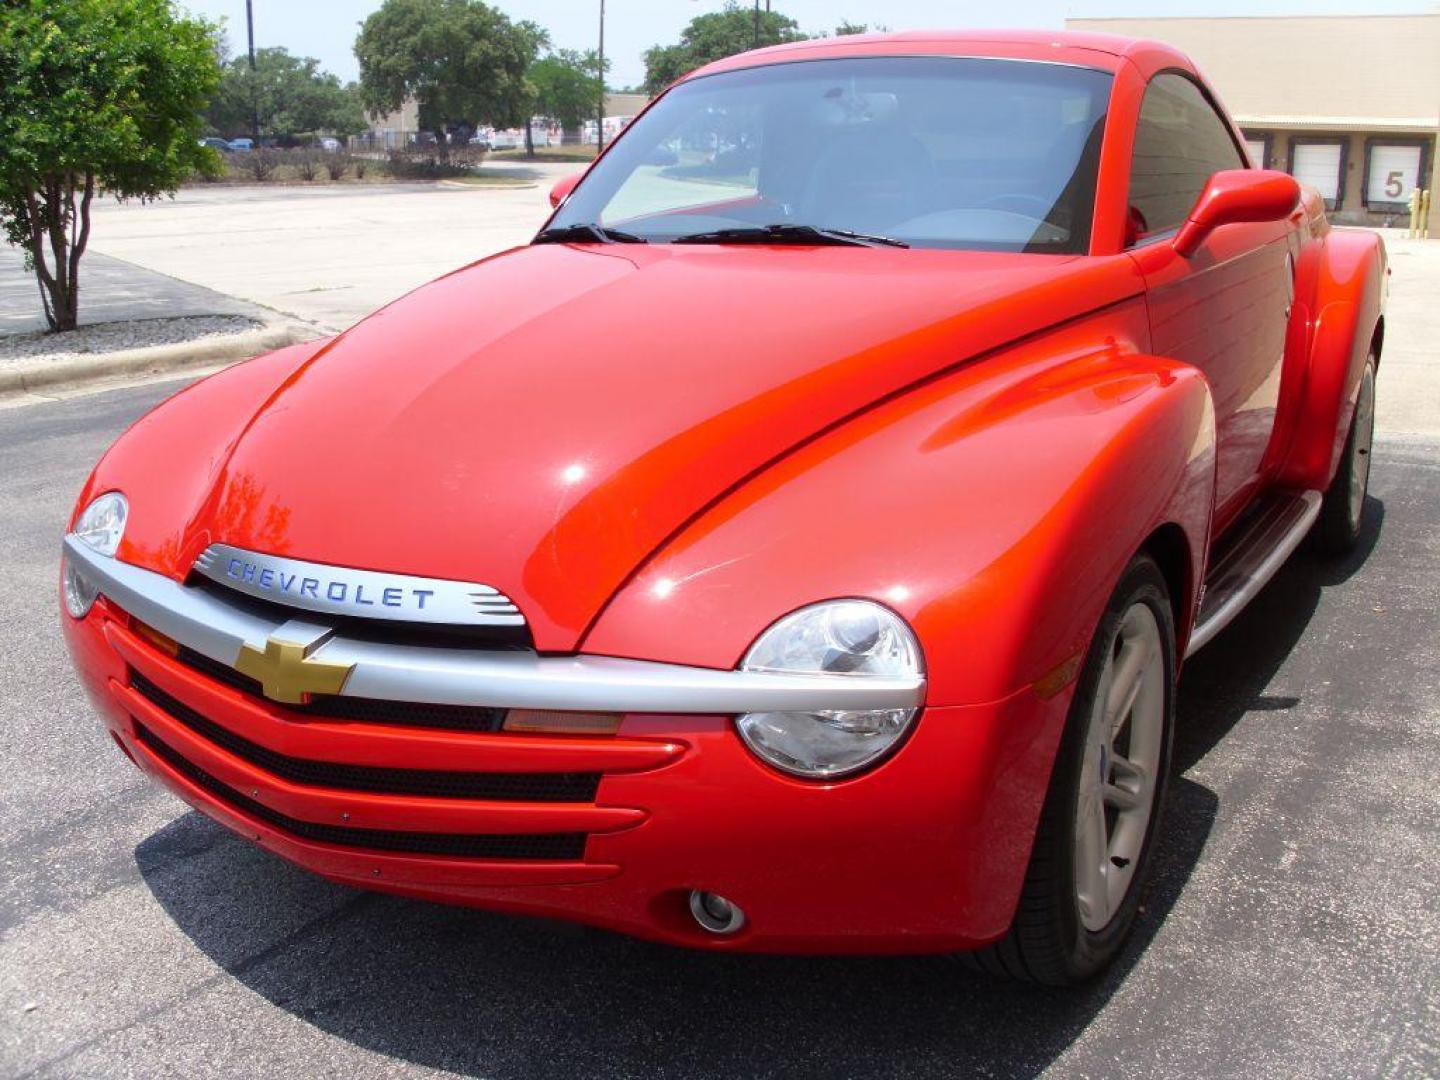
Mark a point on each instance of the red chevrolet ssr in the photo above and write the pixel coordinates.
(795, 547)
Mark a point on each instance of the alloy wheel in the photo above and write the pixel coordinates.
(1119, 773)
(1359, 462)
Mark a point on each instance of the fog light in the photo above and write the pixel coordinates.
(79, 593)
(714, 913)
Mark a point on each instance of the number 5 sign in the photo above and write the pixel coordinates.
(1392, 173)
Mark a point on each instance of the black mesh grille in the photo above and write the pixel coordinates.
(363, 710)
(508, 787)
(540, 846)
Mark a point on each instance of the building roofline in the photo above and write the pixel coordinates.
(1249, 18)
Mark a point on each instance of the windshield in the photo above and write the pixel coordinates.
(936, 152)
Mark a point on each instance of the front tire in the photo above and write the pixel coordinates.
(1093, 845)
(1342, 514)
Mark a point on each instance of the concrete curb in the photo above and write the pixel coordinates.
(37, 376)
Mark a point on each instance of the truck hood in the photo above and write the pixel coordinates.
(542, 421)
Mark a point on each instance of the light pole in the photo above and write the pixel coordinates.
(254, 82)
(755, 41)
(600, 107)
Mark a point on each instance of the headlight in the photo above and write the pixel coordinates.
(838, 637)
(103, 523)
(100, 527)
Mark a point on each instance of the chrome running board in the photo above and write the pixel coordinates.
(1249, 559)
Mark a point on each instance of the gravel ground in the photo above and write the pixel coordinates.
(120, 336)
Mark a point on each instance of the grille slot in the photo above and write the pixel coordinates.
(362, 710)
(504, 787)
(537, 847)
(410, 633)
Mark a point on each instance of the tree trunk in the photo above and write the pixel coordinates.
(529, 140)
(59, 224)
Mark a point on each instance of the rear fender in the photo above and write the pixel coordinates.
(1348, 301)
(994, 508)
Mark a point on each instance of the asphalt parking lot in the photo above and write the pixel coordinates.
(1293, 928)
(330, 253)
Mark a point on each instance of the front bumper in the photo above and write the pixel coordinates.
(924, 853)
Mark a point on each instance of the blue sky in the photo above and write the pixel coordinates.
(326, 28)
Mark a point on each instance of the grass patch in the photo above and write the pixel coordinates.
(549, 154)
(485, 179)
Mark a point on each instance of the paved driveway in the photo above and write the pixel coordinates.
(111, 289)
(328, 254)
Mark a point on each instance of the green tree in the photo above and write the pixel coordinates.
(95, 95)
(290, 94)
(568, 85)
(713, 37)
(462, 60)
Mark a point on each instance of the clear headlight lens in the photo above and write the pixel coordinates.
(838, 637)
(100, 527)
(103, 523)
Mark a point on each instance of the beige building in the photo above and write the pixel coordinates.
(391, 130)
(1349, 104)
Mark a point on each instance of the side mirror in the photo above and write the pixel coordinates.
(561, 191)
(1237, 195)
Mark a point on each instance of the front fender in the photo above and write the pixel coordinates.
(168, 459)
(1349, 299)
(994, 508)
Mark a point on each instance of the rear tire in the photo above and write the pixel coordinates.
(1342, 514)
(1093, 845)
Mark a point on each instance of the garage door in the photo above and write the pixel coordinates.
(1392, 174)
(1318, 164)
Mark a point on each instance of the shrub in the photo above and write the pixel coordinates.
(336, 162)
(423, 161)
(362, 165)
(260, 164)
(307, 163)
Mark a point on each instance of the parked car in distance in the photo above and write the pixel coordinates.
(330, 144)
(803, 554)
(242, 145)
(215, 143)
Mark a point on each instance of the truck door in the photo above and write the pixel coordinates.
(1223, 309)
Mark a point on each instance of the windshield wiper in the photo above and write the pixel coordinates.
(789, 234)
(586, 234)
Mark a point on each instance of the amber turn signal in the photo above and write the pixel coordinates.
(545, 721)
(169, 646)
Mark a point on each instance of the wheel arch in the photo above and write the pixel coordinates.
(1350, 282)
(1169, 545)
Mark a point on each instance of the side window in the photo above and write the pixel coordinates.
(1179, 143)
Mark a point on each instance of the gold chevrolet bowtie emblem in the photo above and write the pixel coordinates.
(285, 669)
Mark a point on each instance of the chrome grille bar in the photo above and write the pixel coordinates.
(203, 621)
